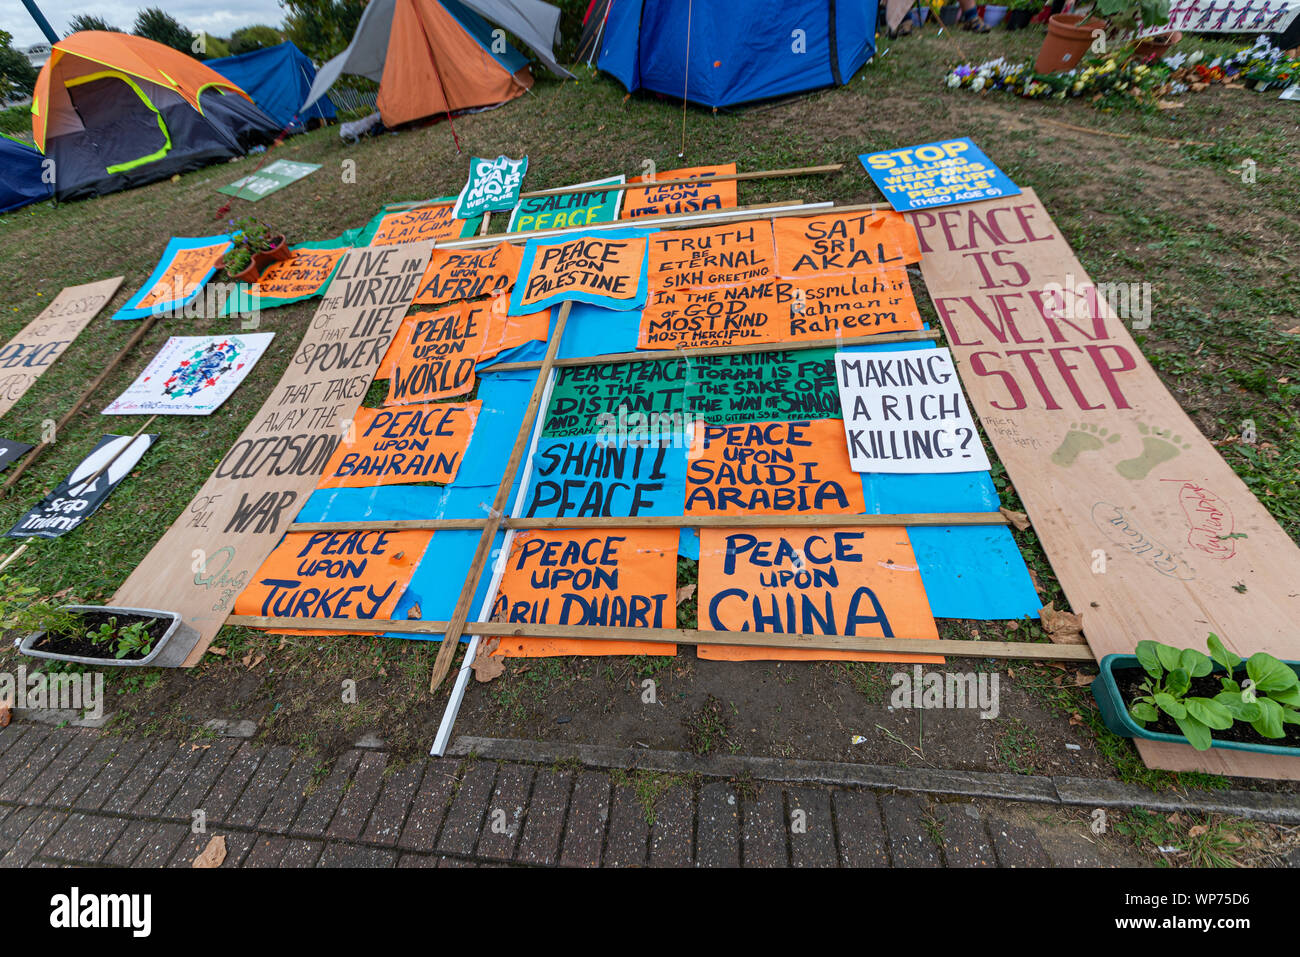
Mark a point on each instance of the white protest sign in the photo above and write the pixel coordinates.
(904, 411)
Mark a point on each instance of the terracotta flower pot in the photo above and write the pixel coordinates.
(1156, 46)
(248, 274)
(278, 253)
(1068, 39)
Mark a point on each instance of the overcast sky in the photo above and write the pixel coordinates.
(218, 17)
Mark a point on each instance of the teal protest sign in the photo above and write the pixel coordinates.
(492, 184)
(264, 182)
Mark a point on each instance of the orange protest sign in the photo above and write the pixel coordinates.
(468, 274)
(358, 575)
(769, 468)
(301, 276)
(415, 225)
(827, 581)
(436, 360)
(684, 198)
(837, 244)
(621, 578)
(402, 445)
(188, 270)
(503, 331)
(606, 269)
(711, 256)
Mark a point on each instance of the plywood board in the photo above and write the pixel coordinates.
(1149, 530)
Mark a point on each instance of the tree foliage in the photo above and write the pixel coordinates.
(17, 75)
(256, 37)
(321, 28)
(87, 21)
(154, 24)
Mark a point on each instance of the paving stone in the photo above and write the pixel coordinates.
(27, 741)
(468, 808)
(238, 844)
(48, 779)
(10, 735)
(584, 831)
(356, 855)
(267, 851)
(132, 841)
(361, 794)
(672, 836)
(389, 813)
(858, 828)
(102, 786)
(319, 806)
(718, 826)
(23, 772)
(429, 806)
(14, 825)
(544, 823)
(417, 860)
(301, 853)
(626, 843)
(28, 844)
(77, 779)
(289, 796)
(261, 787)
(135, 784)
(84, 837)
(161, 845)
(965, 842)
(169, 781)
(1016, 846)
(505, 815)
(190, 796)
(812, 832)
(910, 844)
(764, 829)
(225, 793)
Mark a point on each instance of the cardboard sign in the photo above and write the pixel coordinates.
(625, 578)
(421, 224)
(437, 359)
(762, 387)
(625, 399)
(304, 276)
(685, 198)
(469, 274)
(185, 267)
(266, 181)
(780, 310)
(355, 575)
(402, 445)
(568, 210)
(1104, 458)
(827, 581)
(904, 411)
(492, 184)
(78, 496)
(590, 477)
(771, 467)
(712, 256)
(45, 338)
(606, 268)
(213, 548)
(840, 244)
(937, 174)
(191, 375)
(11, 451)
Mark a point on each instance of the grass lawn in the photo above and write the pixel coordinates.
(1222, 257)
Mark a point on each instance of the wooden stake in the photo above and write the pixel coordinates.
(118, 454)
(13, 556)
(442, 664)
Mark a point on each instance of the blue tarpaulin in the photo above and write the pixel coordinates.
(278, 79)
(20, 175)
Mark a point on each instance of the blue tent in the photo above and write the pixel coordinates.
(738, 52)
(277, 78)
(20, 175)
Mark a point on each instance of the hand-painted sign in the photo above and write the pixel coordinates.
(568, 210)
(492, 184)
(402, 445)
(268, 180)
(712, 256)
(706, 195)
(842, 244)
(622, 399)
(590, 477)
(437, 359)
(937, 174)
(419, 224)
(357, 575)
(302, 277)
(606, 268)
(469, 274)
(181, 274)
(770, 468)
(77, 497)
(762, 387)
(827, 581)
(191, 375)
(623, 578)
(497, 331)
(904, 411)
(28, 354)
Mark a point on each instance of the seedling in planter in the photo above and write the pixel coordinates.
(133, 639)
(1270, 696)
(1170, 672)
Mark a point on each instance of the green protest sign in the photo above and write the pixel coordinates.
(266, 181)
(565, 210)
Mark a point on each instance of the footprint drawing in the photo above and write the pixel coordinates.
(1080, 439)
(1158, 446)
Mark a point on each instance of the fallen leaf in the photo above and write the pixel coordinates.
(214, 650)
(1033, 577)
(213, 854)
(256, 661)
(1082, 681)
(1076, 719)
(485, 666)
(1197, 831)
(6, 714)
(1170, 104)
(1019, 519)
(1062, 627)
(685, 592)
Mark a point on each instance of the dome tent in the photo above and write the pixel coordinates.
(116, 111)
(277, 78)
(21, 175)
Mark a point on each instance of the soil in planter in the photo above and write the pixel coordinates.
(78, 644)
(1128, 679)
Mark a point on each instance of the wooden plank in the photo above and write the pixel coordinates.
(802, 520)
(1026, 650)
(442, 664)
(1149, 530)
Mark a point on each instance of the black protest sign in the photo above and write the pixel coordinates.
(11, 451)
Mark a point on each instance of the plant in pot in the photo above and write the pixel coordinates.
(254, 248)
(1069, 35)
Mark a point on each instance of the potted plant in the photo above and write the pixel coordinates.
(1163, 693)
(1069, 35)
(254, 248)
(993, 14)
(1020, 12)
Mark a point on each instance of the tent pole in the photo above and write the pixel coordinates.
(41, 22)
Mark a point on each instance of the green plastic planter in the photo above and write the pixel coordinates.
(1115, 713)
